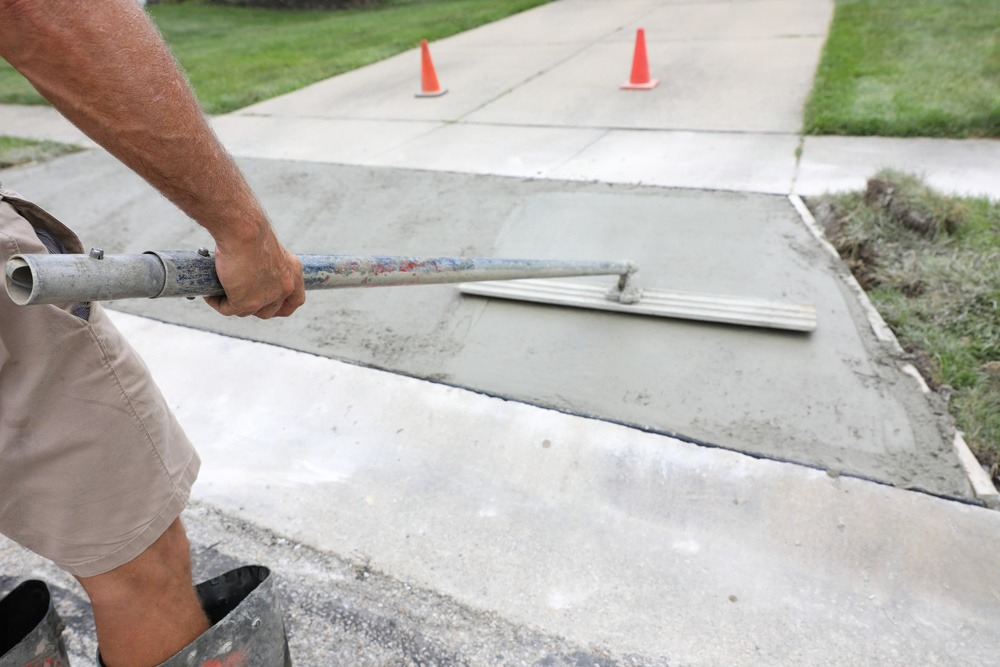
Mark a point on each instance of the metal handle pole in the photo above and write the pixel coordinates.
(38, 279)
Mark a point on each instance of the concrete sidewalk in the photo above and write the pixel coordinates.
(500, 531)
(40, 123)
(537, 95)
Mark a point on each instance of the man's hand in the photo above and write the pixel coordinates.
(260, 277)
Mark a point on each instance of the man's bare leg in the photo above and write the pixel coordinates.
(146, 610)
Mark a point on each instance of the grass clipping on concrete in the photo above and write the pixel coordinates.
(931, 266)
(15, 152)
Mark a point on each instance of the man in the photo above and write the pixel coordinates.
(94, 471)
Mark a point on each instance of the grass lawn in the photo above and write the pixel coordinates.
(931, 266)
(909, 68)
(14, 151)
(236, 56)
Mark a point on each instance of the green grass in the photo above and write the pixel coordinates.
(909, 68)
(14, 152)
(235, 56)
(939, 291)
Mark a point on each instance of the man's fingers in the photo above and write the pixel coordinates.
(266, 289)
(223, 306)
(291, 304)
(283, 308)
(215, 302)
(288, 307)
(268, 311)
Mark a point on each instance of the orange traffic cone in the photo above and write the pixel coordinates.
(429, 86)
(640, 66)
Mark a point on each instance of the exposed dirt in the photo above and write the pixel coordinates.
(925, 220)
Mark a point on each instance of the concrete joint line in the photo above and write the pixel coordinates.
(979, 480)
(581, 151)
(552, 66)
(799, 150)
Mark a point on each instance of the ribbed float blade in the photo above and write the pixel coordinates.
(661, 303)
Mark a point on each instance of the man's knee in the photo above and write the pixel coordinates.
(165, 565)
(146, 610)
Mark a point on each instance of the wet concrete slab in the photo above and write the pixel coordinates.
(834, 399)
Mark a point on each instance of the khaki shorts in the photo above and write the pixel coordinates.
(93, 465)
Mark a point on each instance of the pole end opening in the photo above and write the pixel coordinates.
(20, 280)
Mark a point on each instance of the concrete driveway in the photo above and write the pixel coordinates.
(450, 480)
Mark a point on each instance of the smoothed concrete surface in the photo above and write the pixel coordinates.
(637, 548)
(834, 399)
(338, 610)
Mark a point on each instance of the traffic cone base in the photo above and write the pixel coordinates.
(429, 86)
(649, 85)
(437, 93)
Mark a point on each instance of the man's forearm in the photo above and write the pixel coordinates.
(104, 66)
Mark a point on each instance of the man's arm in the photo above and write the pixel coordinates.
(104, 66)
